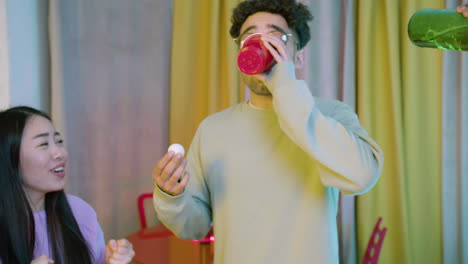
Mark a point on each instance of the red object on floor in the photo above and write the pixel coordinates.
(375, 244)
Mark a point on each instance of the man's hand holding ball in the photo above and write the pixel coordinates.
(169, 174)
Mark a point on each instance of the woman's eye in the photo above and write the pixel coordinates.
(44, 144)
(60, 141)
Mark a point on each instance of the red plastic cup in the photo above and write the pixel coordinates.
(254, 58)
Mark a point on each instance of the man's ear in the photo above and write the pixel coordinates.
(299, 60)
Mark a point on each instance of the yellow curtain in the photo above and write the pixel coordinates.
(204, 75)
(399, 101)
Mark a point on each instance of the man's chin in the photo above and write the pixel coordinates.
(262, 91)
(260, 77)
(256, 84)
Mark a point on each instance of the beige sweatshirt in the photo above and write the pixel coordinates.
(269, 179)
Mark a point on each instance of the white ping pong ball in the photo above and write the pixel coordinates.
(176, 148)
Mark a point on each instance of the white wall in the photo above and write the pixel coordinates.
(28, 55)
(4, 61)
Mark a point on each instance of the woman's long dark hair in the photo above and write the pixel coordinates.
(17, 231)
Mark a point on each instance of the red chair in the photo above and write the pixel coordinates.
(375, 244)
(151, 244)
(141, 208)
(153, 232)
(148, 239)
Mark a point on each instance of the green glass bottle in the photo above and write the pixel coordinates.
(439, 28)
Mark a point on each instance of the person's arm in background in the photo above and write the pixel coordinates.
(183, 206)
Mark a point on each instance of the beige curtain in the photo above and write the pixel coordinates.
(110, 78)
(57, 108)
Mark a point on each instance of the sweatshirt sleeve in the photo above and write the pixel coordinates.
(348, 159)
(187, 215)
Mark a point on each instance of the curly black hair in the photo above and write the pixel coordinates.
(296, 15)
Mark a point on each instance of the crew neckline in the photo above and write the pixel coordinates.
(256, 112)
(250, 105)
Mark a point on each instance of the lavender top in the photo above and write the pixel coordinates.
(88, 223)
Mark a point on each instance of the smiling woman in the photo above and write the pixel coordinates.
(39, 223)
(42, 158)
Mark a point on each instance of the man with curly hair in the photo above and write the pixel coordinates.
(267, 172)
